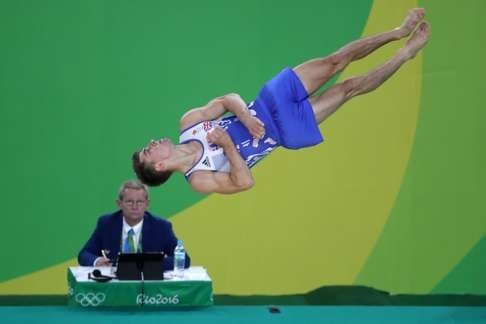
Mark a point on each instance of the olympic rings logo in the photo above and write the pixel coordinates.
(90, 299)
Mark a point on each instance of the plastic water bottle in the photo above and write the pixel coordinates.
(179, 259)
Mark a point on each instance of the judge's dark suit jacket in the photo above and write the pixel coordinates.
(157, 236)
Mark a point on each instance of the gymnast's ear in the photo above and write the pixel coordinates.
(160, 166)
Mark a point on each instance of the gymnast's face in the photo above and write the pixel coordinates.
(156, 151)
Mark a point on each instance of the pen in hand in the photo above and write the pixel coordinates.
(104, 261)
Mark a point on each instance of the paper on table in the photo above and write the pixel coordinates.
(196, 273)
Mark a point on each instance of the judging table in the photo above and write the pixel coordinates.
(193, 289)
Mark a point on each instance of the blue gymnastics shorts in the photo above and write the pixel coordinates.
(285, 98)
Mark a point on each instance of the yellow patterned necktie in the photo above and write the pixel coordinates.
(129, 246)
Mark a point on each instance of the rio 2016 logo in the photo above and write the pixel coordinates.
(158, 299)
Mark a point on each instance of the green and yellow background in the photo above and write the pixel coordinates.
(394, 199)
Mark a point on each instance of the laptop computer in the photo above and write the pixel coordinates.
(130, 266)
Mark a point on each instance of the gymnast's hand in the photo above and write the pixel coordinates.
(255, 126)
(220, 137)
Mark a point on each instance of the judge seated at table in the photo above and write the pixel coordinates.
(131, 229)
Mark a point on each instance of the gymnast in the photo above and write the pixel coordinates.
(216, 152)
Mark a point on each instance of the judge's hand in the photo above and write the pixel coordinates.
(103, 262)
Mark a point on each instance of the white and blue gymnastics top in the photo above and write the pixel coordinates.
(213, 158)
(282, 105)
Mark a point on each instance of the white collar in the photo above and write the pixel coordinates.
(137, 228)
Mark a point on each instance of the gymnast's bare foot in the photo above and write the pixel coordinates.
(417, 41)
(411, 21)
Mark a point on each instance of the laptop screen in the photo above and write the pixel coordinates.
(138, 266)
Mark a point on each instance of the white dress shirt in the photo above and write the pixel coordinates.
(137, 229)
(136, 238)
